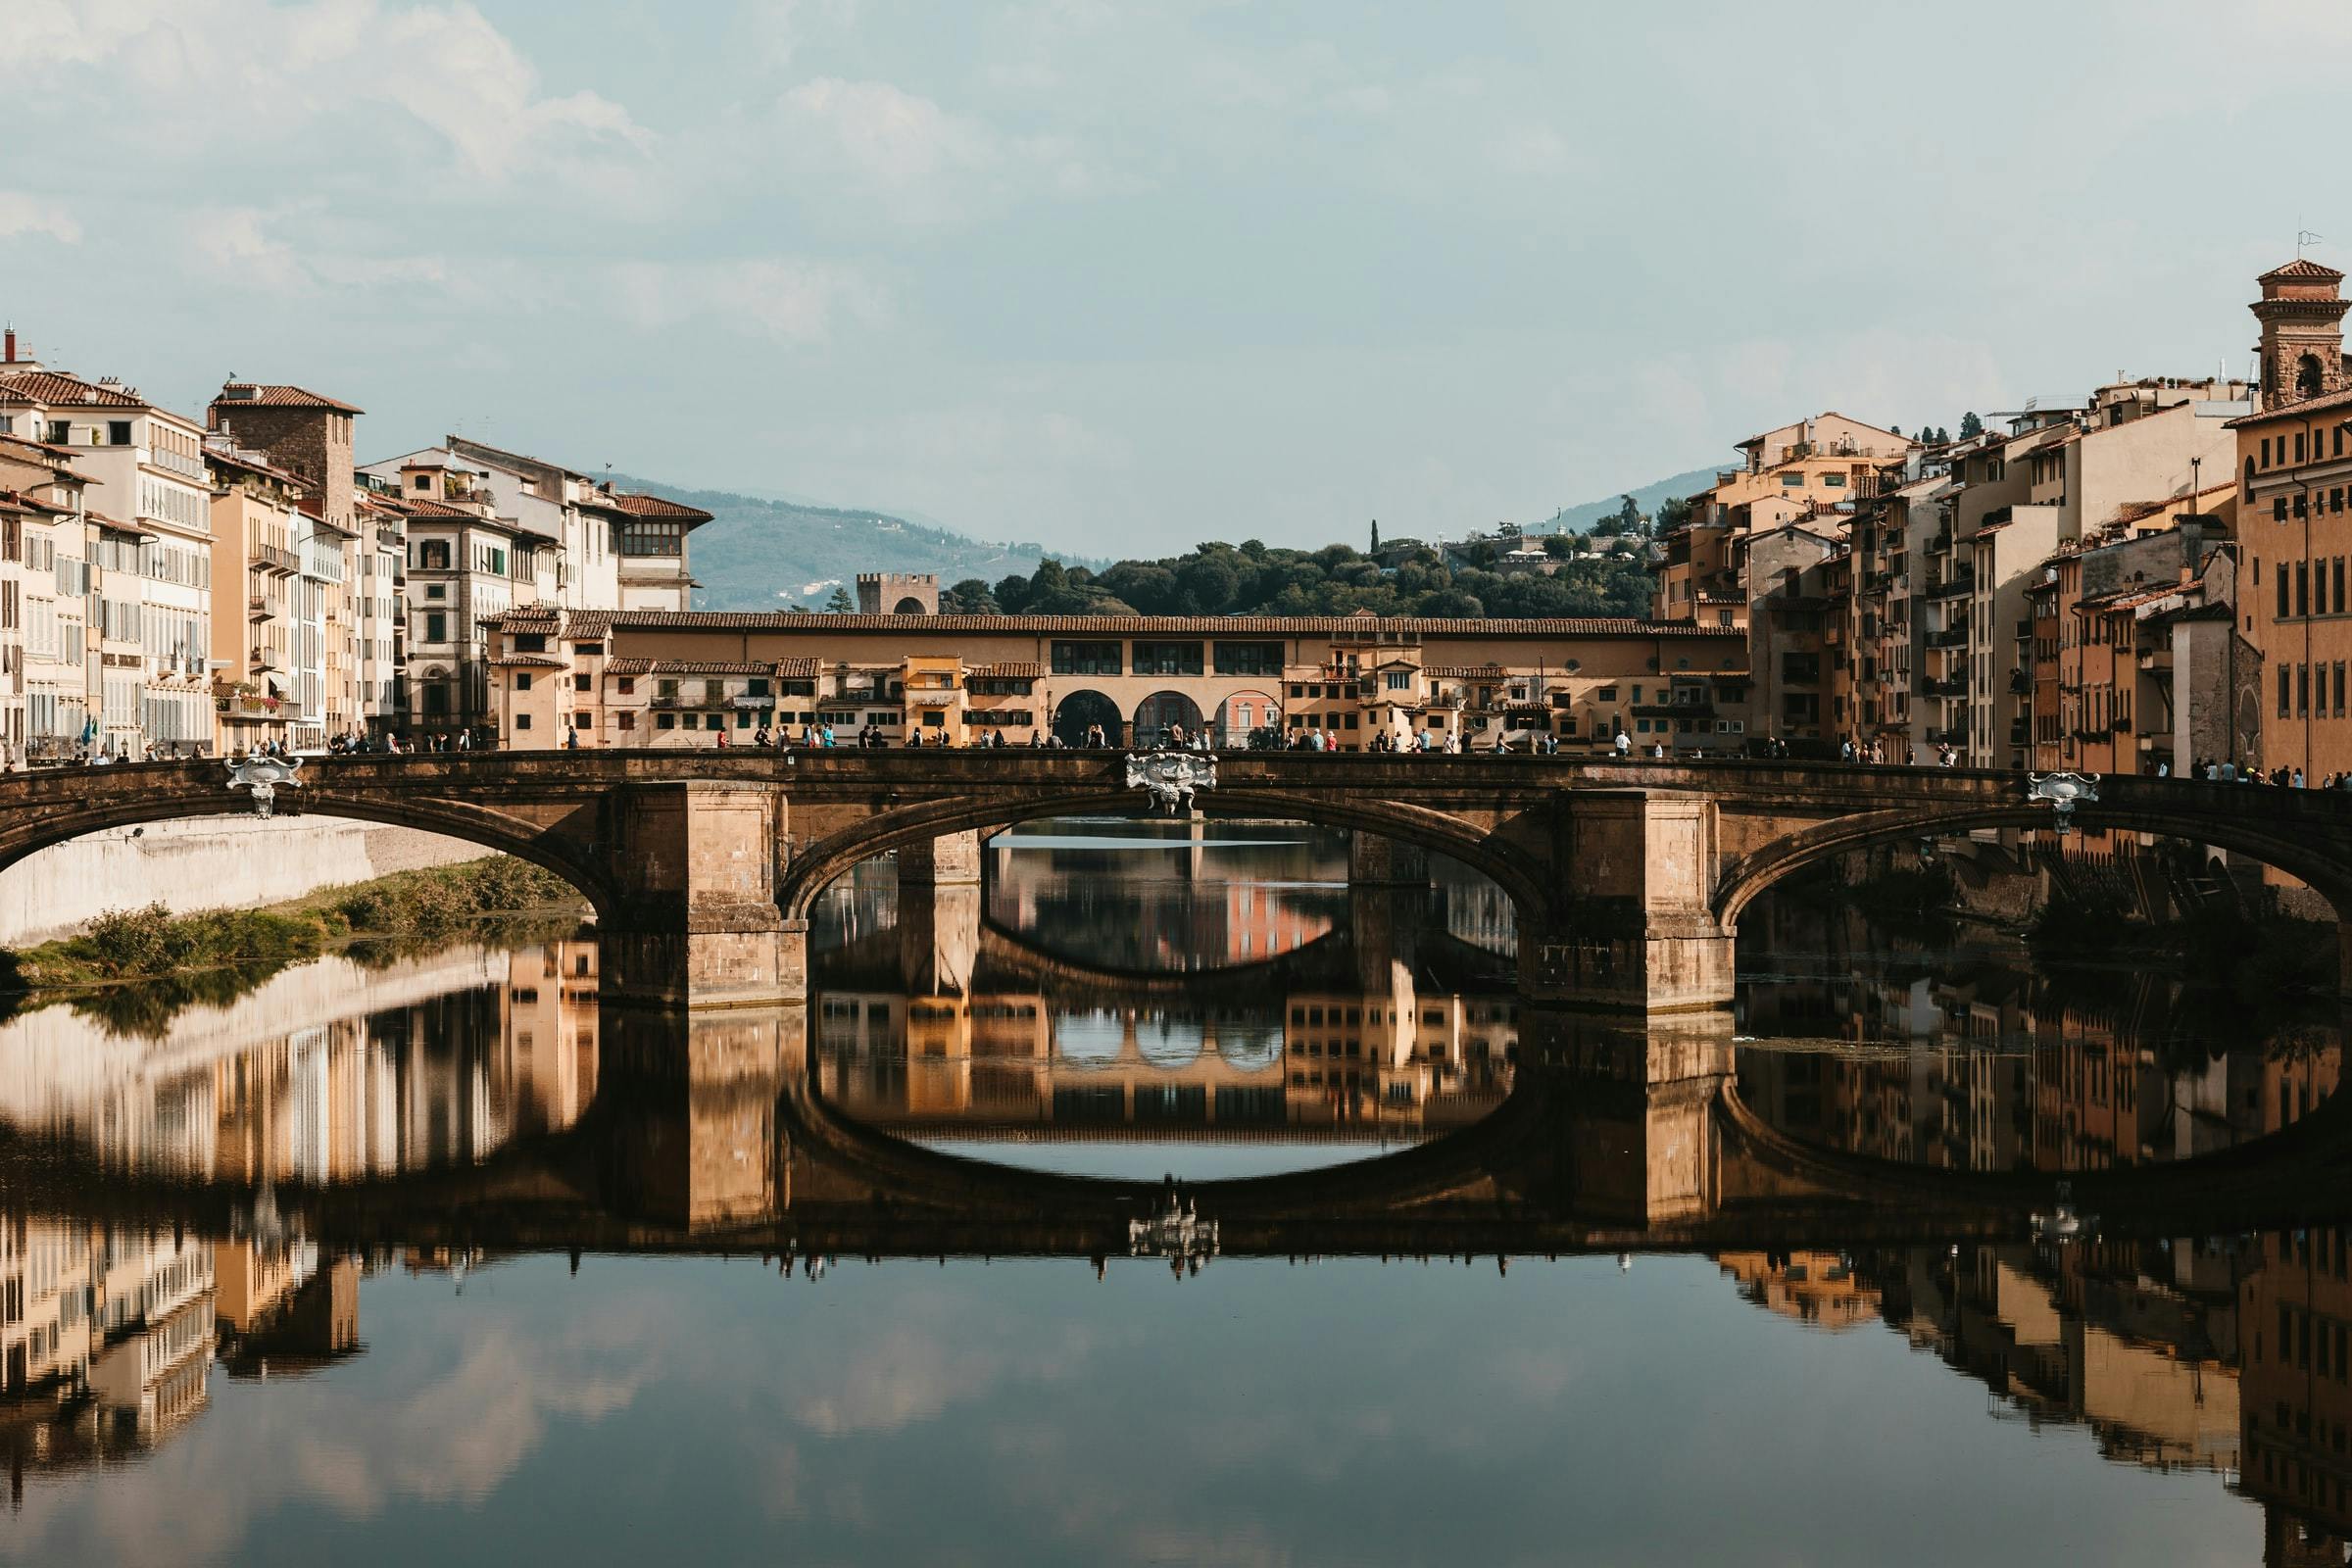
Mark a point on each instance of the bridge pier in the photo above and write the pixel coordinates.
(1640, 1144)
(950, 859)
(697, 923)
(1638, 932)
(939, 938)
(1377, 862)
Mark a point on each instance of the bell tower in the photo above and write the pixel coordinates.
(2302, 347)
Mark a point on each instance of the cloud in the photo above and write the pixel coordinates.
(784, 299)
(25, 215)
(447, 67)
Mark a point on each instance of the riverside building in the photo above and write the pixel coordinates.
(666, 678)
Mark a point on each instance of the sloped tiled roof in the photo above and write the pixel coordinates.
(2301, 268)
(1144, 625)
(277, 395)
(661, 507)
(55, 387)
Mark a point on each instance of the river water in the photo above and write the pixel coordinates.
(1166, 1200)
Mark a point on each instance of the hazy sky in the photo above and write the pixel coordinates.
(1127, 275)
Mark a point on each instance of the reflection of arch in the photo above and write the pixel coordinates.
(1249, 1049)
(909, 605)
(1174, 1042)
(1089, 1038)
(1243, 711)
(1157, 713)
(1081, 711)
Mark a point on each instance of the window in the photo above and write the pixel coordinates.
(1792, 481)
(2302, 690)
(671, 720)
(2287, 691)
(586, 650)
(2284, 587)
(2277, 508)
(1607, 694)
(624, 721)
(639, 538)
(1087, 658)
(1248, 659)
(432, 555)
(1834, 481)
(118, 432)
(626, 685)
(522, 680)
(530, 642)
(579, 683)
(424, 481)
(436, 627)
(2266, 451)
(2302, 587)
(1399, 680)
(523, 721)
(1167, 659)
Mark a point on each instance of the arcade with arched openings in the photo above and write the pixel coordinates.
(1243, 714)
(1081, 711)
(1161, 712)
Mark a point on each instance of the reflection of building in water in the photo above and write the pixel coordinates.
(1817, 1288)
(1471, 908)
(2137, 1341)
(108, 1339)
(1018, 1063)
(1149, 907)
(428, 1064)
(2297, 1305)
(1985, 1066)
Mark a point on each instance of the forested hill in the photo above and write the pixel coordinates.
(1254, 579)
(1647, 500)
(759, 553)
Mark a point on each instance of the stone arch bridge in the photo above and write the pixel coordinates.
(1628, 877)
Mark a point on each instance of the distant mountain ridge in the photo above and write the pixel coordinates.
(1650, 496)
(761, 552)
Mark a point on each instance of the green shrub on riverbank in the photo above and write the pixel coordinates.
(241, 947)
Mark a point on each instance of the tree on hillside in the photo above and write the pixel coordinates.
(1376, 536)
(1673, 513)
(1630, 516)
(1971, 426)
(970, 596)
(1559, 546)
(840, 604)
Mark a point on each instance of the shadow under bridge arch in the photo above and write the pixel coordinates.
(2320, 860)
(1501, 853)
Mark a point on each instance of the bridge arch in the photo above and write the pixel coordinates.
(1162, 711)
(181, 791)
(820, 864)
(1743, 880)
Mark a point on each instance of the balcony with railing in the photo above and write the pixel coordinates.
(271, 558)
(1953, 686)
(1963, 581)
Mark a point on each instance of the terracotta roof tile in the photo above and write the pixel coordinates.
(2290, 410)
(781, 668)
(276, 395)
(64, 391)
(526, 662)
(2302, 266)
(658, 506)
(1144, 625)
(1008, 671)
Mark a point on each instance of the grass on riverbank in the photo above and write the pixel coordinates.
(135, 968)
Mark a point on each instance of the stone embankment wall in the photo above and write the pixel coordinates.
(207, 863)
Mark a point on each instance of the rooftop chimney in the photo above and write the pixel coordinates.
(10, 357)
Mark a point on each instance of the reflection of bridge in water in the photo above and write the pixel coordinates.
(712, 1132)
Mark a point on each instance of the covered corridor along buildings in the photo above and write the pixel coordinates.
(636, 678)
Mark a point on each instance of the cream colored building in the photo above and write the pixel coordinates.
(132, 596)
(649, 678)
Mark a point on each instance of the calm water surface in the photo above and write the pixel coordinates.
(435, 1260)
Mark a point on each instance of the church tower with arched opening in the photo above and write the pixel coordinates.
(2302, 347)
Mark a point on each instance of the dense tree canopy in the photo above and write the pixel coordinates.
(1251, 579)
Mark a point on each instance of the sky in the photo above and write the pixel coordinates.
(1123, 276)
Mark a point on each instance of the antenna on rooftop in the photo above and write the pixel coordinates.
(2303, 238)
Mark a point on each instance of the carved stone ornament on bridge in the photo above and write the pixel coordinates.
(1172, 777)
(2062, 790)
(262, 775)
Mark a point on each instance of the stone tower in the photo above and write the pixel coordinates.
(898, 593)
(298, 430)
(2302, 347)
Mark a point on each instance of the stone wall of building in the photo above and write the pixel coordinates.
(225, 862)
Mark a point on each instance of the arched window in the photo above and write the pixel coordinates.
(2307, 376)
